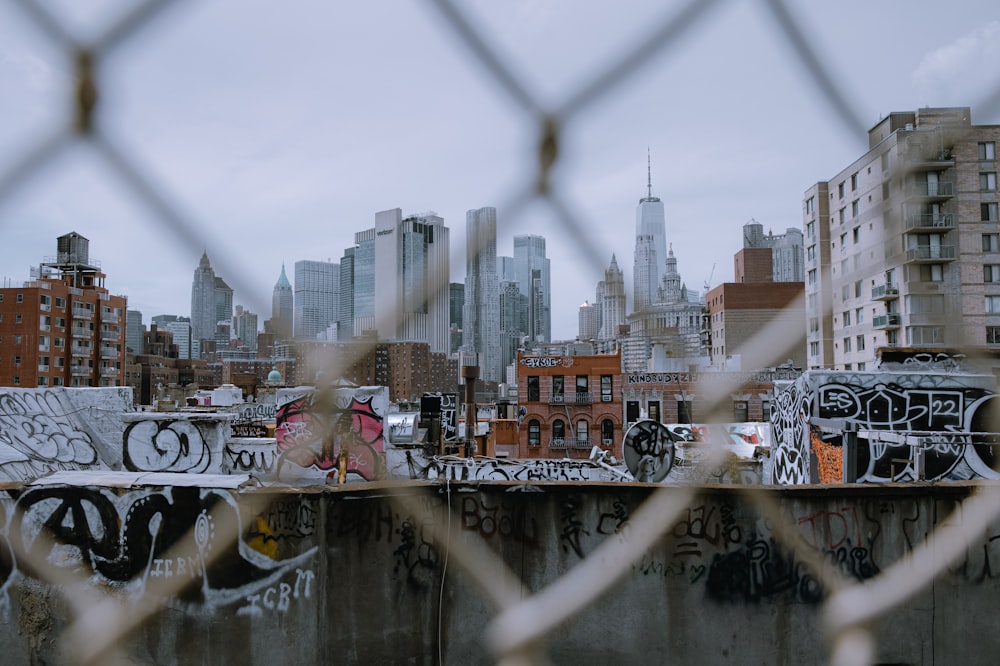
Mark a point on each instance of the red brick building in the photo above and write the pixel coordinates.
(568, 405)
(63, 328)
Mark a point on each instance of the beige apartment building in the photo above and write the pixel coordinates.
(903, 245)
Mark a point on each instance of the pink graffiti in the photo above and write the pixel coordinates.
(311, 440)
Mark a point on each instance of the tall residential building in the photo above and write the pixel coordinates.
(611, 293)
(456, 303)
(650, 245)
(481, 318)
(244, 328)
(134, 329)
(317, 298)
(533, 274)
(511, 321)
(787, 250)
(63, 327)
(903, 244)
(406, 262)
(181, 330)
(589, 322)
(223, 313)
(282, 306)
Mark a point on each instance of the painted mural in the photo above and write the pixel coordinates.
(941, 408)
(314, 426)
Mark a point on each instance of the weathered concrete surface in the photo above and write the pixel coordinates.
(344, 575)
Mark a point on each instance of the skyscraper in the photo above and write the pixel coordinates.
(533, 274)
(589, 322)
(245, 328)
(203, 312)
(406, 262)
(650, 245)
(481, 318)
(317, 298)
(612, 297)
(282, 306)
(345, 319)
(134, 330)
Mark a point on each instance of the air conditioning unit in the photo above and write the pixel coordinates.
(605, 398)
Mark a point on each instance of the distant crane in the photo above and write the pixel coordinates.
(708, 282)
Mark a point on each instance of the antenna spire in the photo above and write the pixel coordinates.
(649, 175)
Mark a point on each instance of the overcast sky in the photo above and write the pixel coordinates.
(280, 129)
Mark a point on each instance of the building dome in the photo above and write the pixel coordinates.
(274, 375)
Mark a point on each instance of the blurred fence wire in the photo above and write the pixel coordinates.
(520, 628)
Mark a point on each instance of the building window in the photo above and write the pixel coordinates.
(988, 181)
(607, 385)
(60, 302)
(925, 303)
(814, 349)
(20, 298)
(811, 253)
(842, 215)
(740, 411)
(855, 210)
(582, 388)
(991, 273)
(854, 181)
(811, 230)
(683, 411)
(988, 212)
(847, 318)
(993, 335)
(17, 380)
(534, 390)
(632, 411)
(859, 315)
(811, 276)
(534, 432)
(810, 205)
(840, 190)
(992, 305)
(653, 407)
(17, 318)
(924, 335)
(558, 388)
(43, 381)
(607, 432)
(582, 432)
(765, 408)
(931, 272)
(987, 150)
(558, 432)
(17, 339)
(991, 242)
(861, 342)
(847, 345)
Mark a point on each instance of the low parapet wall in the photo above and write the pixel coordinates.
(352, 575)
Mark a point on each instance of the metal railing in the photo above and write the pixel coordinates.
(524, 619)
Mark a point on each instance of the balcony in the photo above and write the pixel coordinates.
(110, 317)
(80, 371)
(83, 333)
(930, 254)
(938, 190)
(557, 399)
(82, 352)
(43, 368)
(557, 443)
(929, 222)
(885, 292)
(110, 335)
(45, 307)
(581, 443)
(887, 321)
(82, 313)
(582, 398)
(44, 327)
(43, 348)
(108, 372)
(109, 352)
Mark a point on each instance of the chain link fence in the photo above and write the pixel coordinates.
(522, 624)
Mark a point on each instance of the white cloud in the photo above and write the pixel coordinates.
(967, 69)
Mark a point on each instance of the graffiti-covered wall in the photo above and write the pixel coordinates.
(314, 426)
(899, 402)
(349, 576)
(44, 430)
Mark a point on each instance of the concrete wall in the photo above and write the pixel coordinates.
(344, 576)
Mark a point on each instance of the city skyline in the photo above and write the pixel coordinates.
(290, 177)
